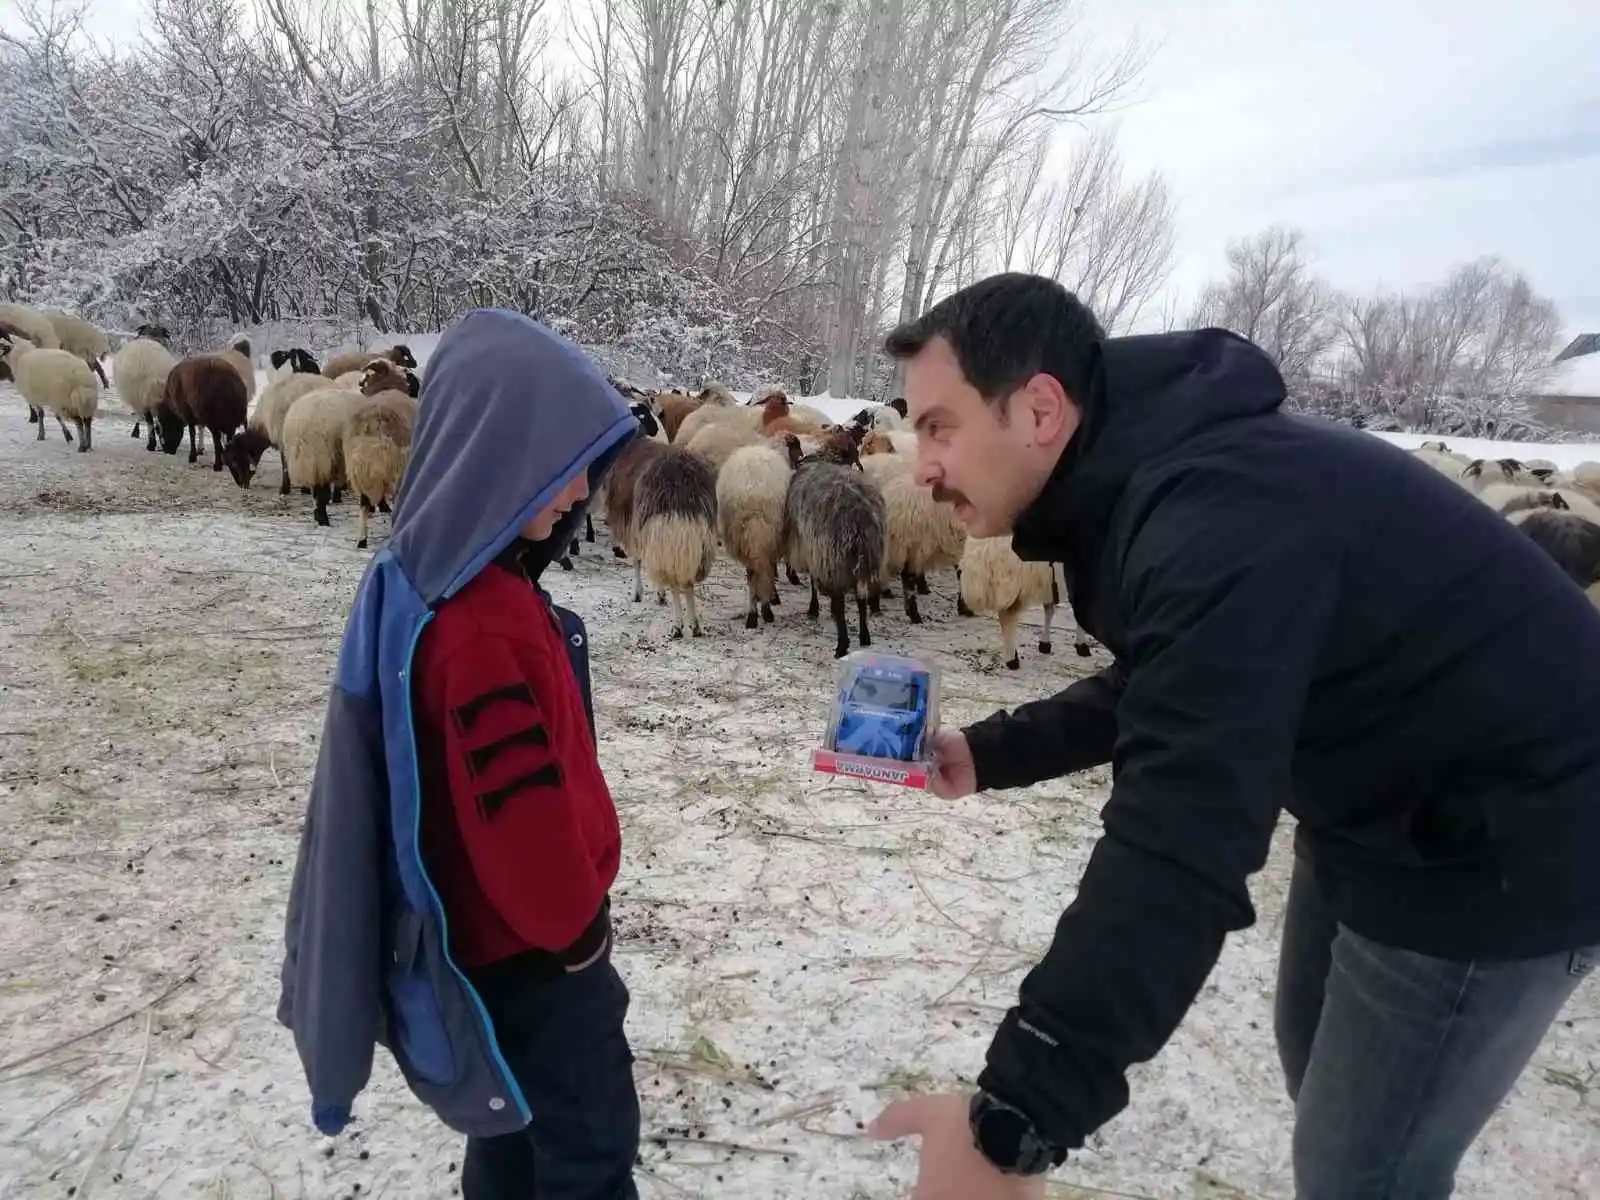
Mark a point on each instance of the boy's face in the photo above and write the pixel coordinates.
(576, 492)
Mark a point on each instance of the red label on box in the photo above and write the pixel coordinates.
(874, 770)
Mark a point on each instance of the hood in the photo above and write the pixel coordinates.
(1151, 396)
(510, 412)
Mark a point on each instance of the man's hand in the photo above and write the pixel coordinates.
(954, 774)
(949, 1165)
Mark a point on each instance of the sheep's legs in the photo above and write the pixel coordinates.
(836, 609)
(85, 433)
(1049, 615)
(361, 524)
(150, 424)
(875, 600)
(283, 488)
(588, 527)
(1081, 645)
(751, 621)
(861, 617)
(39, 437)
(1008, 638)
(136, 429)
(813, 609)
(34, 414)
(773, 588)
(65, 432)
(677, 614)
(216, 451)
(922, 584)
(638, 580)
(908, 585)
(694, 612)
(101, 371)
(383, 506)
(794, 579)
(194, 446)
(962, 610)
(319, 514)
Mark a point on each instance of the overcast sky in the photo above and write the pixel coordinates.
(1403, 136)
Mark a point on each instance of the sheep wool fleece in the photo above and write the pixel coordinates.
(509, 415)
(1303, 618)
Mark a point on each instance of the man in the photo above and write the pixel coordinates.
(1302, 618)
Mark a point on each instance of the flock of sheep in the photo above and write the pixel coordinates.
(767, 482)
(1559, 510)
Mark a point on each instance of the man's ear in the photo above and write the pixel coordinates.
(1050, 410)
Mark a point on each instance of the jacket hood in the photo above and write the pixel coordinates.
(1151, 396)
(509, 414)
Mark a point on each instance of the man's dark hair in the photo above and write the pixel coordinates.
(1006, 329)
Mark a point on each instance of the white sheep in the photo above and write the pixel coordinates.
(675, 528)
(377, 445)
(57, 380)
(140, 369)
(238, 354)
(19, 319)
(83, 338)
(756, 417)
(924, 534)
(713, 444)
(995, 581)
(750, 491)
(313, 443)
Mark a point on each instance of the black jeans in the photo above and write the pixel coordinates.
(1395, 1060)
(565, 1042)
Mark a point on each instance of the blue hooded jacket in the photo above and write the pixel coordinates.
(509, 414)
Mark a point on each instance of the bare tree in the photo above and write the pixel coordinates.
(1270, 296)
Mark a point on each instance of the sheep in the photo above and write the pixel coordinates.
(1585, 474)
(675, 408)
(1446, 464)
(1509, 498)
(313, 443)
(238, 356)
(644, 411)
(621, 483)
(18, 320)
(1480, 473)
(924, 534)
(140, 367)
(675, 529)
(1571, 540)
(266, 422)
(994, 580)
(353, 360)
(716, 393)
(301, 362)
(752, 417)
(835, 528)
(714, 443)
(750, 492)
(35, 414)
(77, 336)
(377, 443)
(203, 391)
(57, 380)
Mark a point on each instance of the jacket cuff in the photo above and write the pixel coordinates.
(330, 1119)
(986, 743)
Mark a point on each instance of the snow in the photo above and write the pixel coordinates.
(1578, 376)
(799, 948)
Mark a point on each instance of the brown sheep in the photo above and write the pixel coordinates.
(204, 391)
(675, 408)
(381, 375)
(621, 484)
(354, 360)
(377, 444)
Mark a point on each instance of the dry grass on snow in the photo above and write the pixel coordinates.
(800, 950)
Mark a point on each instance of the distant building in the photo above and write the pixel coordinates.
(1570, 398)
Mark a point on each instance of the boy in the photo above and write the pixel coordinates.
(450, 895)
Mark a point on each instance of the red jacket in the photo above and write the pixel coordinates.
(518, 827)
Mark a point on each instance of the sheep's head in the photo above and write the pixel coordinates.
(402, 355)
(300, 361)
(241, 344)
(839, 447)
(170, 426)
(877, 443)
(773, 407)
(156, 333)
(898, 404)
(791, 444)
(381, 375)
(7, 347)
(642, 412)
(242, 455)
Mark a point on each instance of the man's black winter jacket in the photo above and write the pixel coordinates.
(1303, 617)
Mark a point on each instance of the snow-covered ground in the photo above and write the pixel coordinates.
(799, 949)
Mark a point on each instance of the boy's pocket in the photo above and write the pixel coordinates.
(416, 1022)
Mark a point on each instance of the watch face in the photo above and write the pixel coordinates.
(1007, 1138)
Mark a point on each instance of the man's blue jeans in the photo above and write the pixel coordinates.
(1396, 1060)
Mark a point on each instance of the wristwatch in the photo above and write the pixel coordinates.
(1007, 1138)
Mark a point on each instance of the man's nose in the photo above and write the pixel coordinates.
(926, 472)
